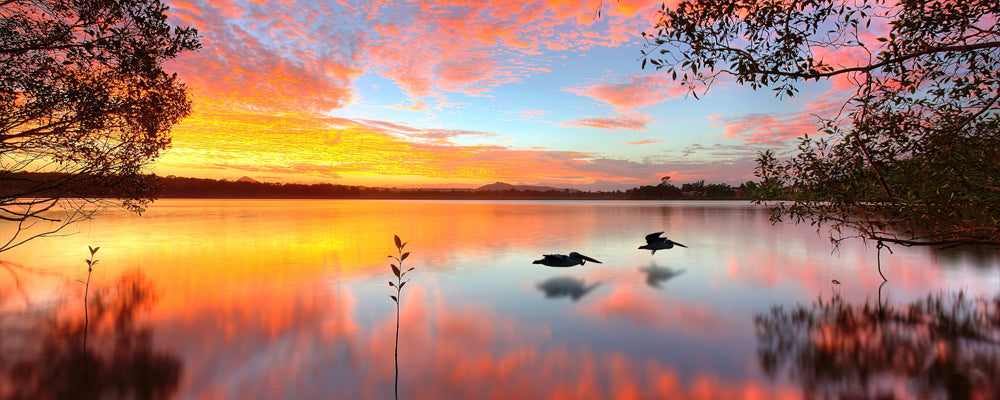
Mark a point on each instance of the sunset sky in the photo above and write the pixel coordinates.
(458, 93)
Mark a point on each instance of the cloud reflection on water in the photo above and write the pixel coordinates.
(286, 299)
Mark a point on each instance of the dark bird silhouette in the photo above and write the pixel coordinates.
(656, 275)
(561, 260)
(654, 242)
(566, 286)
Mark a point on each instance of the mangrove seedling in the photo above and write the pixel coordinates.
(399, 273)
(91, 262)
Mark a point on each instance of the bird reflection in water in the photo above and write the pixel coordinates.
(119, 361)
(945, 346)
(566, 286)
(655, 275)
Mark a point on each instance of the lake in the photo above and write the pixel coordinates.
(289, 299)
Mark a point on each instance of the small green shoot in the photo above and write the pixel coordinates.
(399, 273)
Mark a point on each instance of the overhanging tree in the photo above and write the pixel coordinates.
(84, 105)
(913, 155)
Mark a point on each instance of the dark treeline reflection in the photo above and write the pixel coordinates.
(44, 356)
(945, 346)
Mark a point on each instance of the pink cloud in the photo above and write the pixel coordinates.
(635, 91)
(240, 67)
(767, 128)
(428, 49)
(610, 123)
(647, 141)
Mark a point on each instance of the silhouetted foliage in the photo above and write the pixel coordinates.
(664, 190)
(118, 363)
(941, 347)
(83, 98)
(913, 155)
(397, 269)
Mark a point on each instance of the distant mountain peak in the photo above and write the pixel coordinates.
(247, 179)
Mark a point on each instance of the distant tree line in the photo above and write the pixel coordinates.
(174, 187)
(180, 187)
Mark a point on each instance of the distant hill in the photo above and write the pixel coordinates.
(498, 186)
(247, 179)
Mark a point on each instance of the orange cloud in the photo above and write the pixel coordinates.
(270, 73)
(610, 123)
(304, 148)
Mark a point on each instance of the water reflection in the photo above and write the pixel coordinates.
(45, 357)
(286, 299)
(655, 274)
(944, 346)
(566, 286)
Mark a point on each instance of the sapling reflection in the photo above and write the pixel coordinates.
(398, 271)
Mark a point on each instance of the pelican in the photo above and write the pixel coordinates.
(560, 260)
(654, 242)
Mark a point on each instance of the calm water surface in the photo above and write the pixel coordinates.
(214, 299)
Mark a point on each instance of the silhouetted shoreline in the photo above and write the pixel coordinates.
(182, 187)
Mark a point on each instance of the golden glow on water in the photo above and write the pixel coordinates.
(288, 299)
